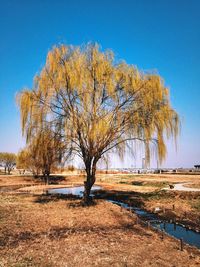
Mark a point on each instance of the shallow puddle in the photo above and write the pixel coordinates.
(76, 190)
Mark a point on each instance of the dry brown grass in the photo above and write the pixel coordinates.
(38, 230)
(42, 231)
(169, 178)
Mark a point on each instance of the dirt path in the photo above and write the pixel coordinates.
(181, 187)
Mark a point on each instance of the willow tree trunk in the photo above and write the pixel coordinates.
(46, 174)
(46, 177)
(90, 180)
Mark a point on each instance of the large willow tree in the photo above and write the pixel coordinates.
(98, 105)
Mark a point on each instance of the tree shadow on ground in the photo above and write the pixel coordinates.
(133, 198)
(75, 201)
(136, 199)
(13, 240)
(46, 198)
(53, 179)
(129, 197)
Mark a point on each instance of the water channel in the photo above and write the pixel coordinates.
(178, 231)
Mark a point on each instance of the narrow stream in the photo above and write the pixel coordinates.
(189, 236)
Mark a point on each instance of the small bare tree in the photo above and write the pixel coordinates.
(98, 105)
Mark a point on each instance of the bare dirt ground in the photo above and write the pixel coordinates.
(41, 230)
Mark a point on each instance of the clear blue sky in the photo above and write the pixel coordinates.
(160, 35)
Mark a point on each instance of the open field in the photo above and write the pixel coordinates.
(43, 230)
(149, 181)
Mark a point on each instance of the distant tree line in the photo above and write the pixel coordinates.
(8, 161)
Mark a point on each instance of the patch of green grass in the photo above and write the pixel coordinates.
(157, 195)
(152, 196)
(123, 182)
(156, 184)
(137, 183)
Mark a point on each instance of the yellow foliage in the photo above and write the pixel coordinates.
(97, 103)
